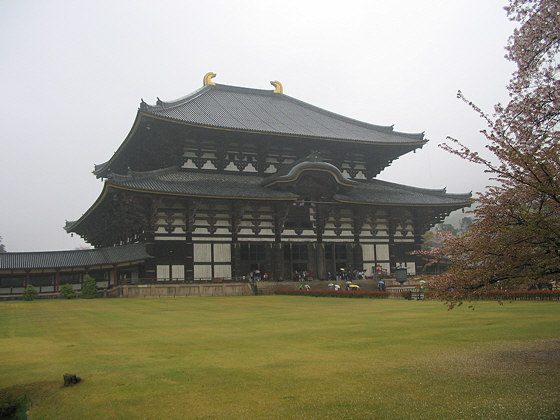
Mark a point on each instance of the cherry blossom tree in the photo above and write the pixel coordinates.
(514, 241)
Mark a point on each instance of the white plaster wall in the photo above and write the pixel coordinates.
(222, 253)
(382, 251)
(162, 272)
(222, 271)
(202, 253)
(368, 252)
(178, 272)
(411, 268)
(202, 271)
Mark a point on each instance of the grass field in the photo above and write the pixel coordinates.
(272, 357)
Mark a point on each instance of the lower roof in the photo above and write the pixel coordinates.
(238, 186)
(73, 259)
(212, 184)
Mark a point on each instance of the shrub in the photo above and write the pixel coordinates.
(89, 288)
(30, 293)
(406, 294)
(67, 291)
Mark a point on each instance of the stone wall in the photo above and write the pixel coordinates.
(182, 290)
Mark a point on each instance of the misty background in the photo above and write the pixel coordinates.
(72, 75)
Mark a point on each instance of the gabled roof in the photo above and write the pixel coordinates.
(76, 258)
(291, 174)
(263, 111)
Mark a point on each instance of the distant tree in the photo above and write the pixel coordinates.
(465, 224)
(515, 236)
(2, 246)
(446, 227)
(432, 250)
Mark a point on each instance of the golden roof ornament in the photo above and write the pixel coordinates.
(207, 80)
(278, 86)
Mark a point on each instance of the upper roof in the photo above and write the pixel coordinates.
(76, 258)
(156, 137)
(264, 111)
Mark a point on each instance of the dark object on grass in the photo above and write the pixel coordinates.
(13, 408)
(70, 379)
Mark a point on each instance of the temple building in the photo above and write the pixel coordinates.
(228, 180)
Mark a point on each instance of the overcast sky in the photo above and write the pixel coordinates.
(72, 74)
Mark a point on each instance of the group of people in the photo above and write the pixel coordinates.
(347, 275)
(256, 275)
(302, 275)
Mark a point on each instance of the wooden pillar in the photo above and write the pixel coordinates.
(57, 282)
(334, 270)
(268, 258)
(115, 281)
(312, 259)
(392, 259)
(321, 262)
(26, 278)
(236, 259)
(291, 273)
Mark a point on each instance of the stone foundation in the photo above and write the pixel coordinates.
(182, 290)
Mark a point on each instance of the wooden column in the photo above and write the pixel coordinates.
(280, 215)
(392, 226)
(57, 282)
(115, 280)
(321, 262)
(278, 262)
(312, 258)
(321, 216)
(235, 259)
(236, 216)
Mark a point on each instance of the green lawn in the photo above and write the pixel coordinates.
(291, 357)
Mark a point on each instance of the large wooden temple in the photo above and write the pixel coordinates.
(227, 180)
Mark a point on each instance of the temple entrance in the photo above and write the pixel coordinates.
(296, 259)
(336, 257)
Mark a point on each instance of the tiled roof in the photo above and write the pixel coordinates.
(383, 192)
(263, 111)
(77, 258)
(206, 184)
(247, 186)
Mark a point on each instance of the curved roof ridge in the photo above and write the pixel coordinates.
(432, 191)
(176, 102)
(132, 175)
(384, 128)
